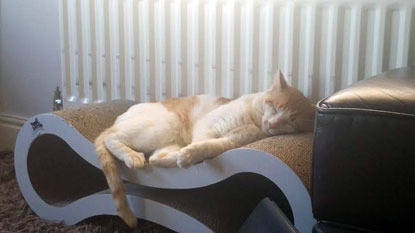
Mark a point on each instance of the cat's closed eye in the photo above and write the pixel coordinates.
(269, 102)
(271, 107)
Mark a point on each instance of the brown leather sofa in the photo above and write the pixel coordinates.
(363, 164)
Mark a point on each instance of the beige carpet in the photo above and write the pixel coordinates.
(16, 215)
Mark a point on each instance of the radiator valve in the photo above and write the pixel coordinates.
(57, 100)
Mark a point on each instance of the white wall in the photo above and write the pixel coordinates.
(29, 62)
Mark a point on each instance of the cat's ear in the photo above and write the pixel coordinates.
(279, 82)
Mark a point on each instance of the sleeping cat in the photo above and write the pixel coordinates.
(184, 131)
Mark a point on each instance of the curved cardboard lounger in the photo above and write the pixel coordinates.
(59, 176)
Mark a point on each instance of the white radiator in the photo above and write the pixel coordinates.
(149, 50)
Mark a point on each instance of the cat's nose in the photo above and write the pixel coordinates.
(278, 123)
(266, 123)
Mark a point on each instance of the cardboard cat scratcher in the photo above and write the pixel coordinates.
(59, 176)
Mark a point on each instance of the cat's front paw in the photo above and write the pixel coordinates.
(184, 161)
(135, 161)
(185, 158)
(167, 160)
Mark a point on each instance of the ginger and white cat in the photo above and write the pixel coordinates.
(184, 131)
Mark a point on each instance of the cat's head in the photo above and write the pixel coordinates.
(286, 109)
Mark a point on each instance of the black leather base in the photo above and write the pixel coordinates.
(363, 168)
(327, 227)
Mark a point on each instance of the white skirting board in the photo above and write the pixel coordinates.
(51, 131)
(9, 128)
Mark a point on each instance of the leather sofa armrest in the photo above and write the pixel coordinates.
(364, 153)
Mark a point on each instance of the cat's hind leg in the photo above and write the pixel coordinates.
(165, 157)
(117, 147)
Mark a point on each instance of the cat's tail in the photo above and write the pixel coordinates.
(110, 168)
